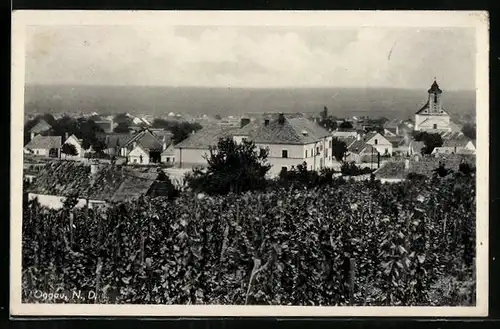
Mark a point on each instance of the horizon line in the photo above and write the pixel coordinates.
(233, 87)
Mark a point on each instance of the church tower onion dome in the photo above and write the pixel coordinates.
(435, 89)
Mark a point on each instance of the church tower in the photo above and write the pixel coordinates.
(432, 117)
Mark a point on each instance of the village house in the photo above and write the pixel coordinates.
(168, 156)
(399, 145)
(345, 133)
(290, 140)
(39, 128)
(360, 152)
(379, 142)
(93, 185)
(77, 143)
(44, 146)
(145, 148)
(456, 146)
(192, 152)
(114, 144)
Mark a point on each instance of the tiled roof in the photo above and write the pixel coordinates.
(396, 141)
(147, 140)
(64, 178)
(170, 150)
(45, 142)
(455, 142)
(206, 137)
(360, 146)
(295, 130)
(112, 140)
(425, 166)
(40, 127)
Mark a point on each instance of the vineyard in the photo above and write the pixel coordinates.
(348, 243)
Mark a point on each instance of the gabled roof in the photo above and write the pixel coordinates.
(45, 142)
(79, 140)
(205, 138)
(40, 127)
(396, 141)
(295, 130)
(360, 146)
(170, 150)
(147, 140)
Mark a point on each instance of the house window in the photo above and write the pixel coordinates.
(330, 144)
(434, 126)
(135, 160)
(306, 153)
(317, 150)
(244, 139)
(262, 152)
(168, 160)
(284, 153)
(376, 141)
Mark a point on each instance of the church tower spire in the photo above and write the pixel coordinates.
(435, 98)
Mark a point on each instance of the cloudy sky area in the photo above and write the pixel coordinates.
(251, 56)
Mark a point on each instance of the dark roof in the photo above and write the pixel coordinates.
(45, 142)
(434, 88)
(112, 140)
(64, 178)
(396, 141)
(206, 137)
(40, 127)
(358, 146)
(462, 142)
(147, 140)
(294, 130)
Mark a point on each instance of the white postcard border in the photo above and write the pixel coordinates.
(475, 19)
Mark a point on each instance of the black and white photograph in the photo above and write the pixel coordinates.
(232, 163)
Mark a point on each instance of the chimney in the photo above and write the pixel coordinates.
(281, 118)
(94, 168)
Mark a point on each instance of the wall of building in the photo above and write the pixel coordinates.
(57, 202)
(135, 156)
(189, 158)
(442, 122)
(41, 152)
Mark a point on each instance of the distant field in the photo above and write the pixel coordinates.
(158, 101)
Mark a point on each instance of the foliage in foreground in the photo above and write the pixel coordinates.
(360, 243)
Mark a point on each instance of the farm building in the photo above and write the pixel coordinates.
(144, 145)
(93, 185)
(379, 142)
(45, 146)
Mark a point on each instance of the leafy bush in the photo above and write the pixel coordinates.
(356, 244)
(300, 176)
(232, 167)
(351, 169)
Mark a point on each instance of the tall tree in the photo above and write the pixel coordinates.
(339, 149)
(469, 130)
(232, 167)
(346, 125)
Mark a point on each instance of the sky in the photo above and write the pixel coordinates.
(266, 57)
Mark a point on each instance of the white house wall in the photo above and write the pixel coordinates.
(78, 148)
(427, 122)
(135, 156)
(54, 201)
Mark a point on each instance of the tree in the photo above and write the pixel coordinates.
(232, 167)
(346, 125)
(328, 124)
(121, 128)
(339, 149)
(469, 130)
(69, 149)
(431, 141)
